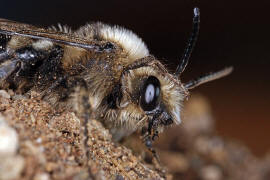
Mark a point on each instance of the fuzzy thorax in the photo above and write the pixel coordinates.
(133, 46)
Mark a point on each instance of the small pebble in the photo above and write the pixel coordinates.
(8, 139)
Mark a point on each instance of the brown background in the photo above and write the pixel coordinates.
(232, 33)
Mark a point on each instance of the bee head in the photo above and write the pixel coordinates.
(149, 91)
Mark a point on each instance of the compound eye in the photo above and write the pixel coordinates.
(150, 93)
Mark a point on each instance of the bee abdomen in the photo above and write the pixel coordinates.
(28, 63)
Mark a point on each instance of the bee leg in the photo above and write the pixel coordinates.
(149, 144)
(148, 140)
(137, 64)
(83, 111)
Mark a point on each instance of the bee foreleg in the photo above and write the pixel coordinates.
(148, 141)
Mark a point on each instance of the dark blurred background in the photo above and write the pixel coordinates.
(232, 33)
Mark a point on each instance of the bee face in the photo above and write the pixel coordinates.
(150, 92)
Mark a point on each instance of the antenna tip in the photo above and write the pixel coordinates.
(196, 11)
(229, 70)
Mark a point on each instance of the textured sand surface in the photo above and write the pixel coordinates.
(37, 142)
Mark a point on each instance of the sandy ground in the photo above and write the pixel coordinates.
(37, 142)
(40, 143)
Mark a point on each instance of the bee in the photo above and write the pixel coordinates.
(126, 87)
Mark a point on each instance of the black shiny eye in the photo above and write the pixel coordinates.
(150, 93)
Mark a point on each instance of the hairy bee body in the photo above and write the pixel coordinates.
(127, 88)
(113, 71)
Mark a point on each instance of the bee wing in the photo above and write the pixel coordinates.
(14, 28)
